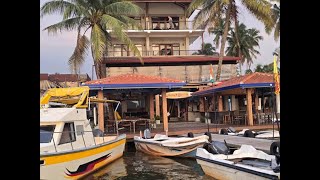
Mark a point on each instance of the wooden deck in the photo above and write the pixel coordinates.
(181, 129)
(236, 141)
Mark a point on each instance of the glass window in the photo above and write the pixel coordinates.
(68, 133)
(46, 133)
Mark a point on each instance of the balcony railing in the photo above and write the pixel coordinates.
(164, 25)
(163, 52)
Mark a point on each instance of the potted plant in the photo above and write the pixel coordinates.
(157, 118)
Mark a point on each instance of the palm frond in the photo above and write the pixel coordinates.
(68, 24)
(117, 30)
(78, 56)
(98, 43)
(57, 6)
(277, 31)
(196, 4)
(123, 8)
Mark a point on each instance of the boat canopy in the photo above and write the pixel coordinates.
(76, 96)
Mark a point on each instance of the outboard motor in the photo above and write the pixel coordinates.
(216, 147)
(275, 164)
(147, 134)
(190, 134)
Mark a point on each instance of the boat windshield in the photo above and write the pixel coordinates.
(46, 133)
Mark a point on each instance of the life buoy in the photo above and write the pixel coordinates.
(275, 148)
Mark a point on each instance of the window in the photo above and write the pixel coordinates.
(165, 49)
(46, 133)
(122, 50)
(68, 134)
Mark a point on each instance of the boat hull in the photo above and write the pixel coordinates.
(219, 171)
(157, 150)
(77, 164)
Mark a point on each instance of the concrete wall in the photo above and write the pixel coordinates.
(184, 73)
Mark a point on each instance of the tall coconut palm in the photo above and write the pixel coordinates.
(245, 47)
(214, 10)
(102, 17)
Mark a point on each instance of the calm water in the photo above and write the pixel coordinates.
(139, 166)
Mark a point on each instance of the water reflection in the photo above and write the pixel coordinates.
(140, 166)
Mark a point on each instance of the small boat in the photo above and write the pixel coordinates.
(69, 147)
(244, 163)
(162, 145)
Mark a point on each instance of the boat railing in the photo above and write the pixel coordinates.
(75, 144)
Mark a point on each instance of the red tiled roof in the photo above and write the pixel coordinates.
(68, 77)
(133, 79)
(44, 77)
(256, 77)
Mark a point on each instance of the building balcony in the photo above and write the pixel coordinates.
(163, 57)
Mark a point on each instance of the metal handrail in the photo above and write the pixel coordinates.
(167, 52)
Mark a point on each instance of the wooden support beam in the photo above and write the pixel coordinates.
(151, 106)
(158, 105)
(201, 106)
(249, 107)
(220, 103)
(256, 102)
(164, 111)
(100, 111)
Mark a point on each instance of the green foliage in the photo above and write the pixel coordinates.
(208, 49)
(103, 17)
(248, 41)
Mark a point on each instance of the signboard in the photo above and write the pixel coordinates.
(178, 94)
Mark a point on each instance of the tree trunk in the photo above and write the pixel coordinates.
(236, 25)
(223, 41)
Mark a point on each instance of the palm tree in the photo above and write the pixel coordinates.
(208, 49)
(274, 24)
(268, 68)
(99, 16)
(248, 40)
(212, 11)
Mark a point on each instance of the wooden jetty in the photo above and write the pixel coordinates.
(195, 128)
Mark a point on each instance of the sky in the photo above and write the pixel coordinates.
(55, 50)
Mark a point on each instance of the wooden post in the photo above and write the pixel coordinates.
(249, 107)
(233, 103)
(201, 106)
(213, 103)
(186, 110)
(151, 105)
(178, 108)
(256, 102)
(100, 112)
(164, 111)
(220, 103)
(158, 105)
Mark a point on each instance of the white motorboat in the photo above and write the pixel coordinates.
(245, 163)
(69, 148)
(162, 145)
